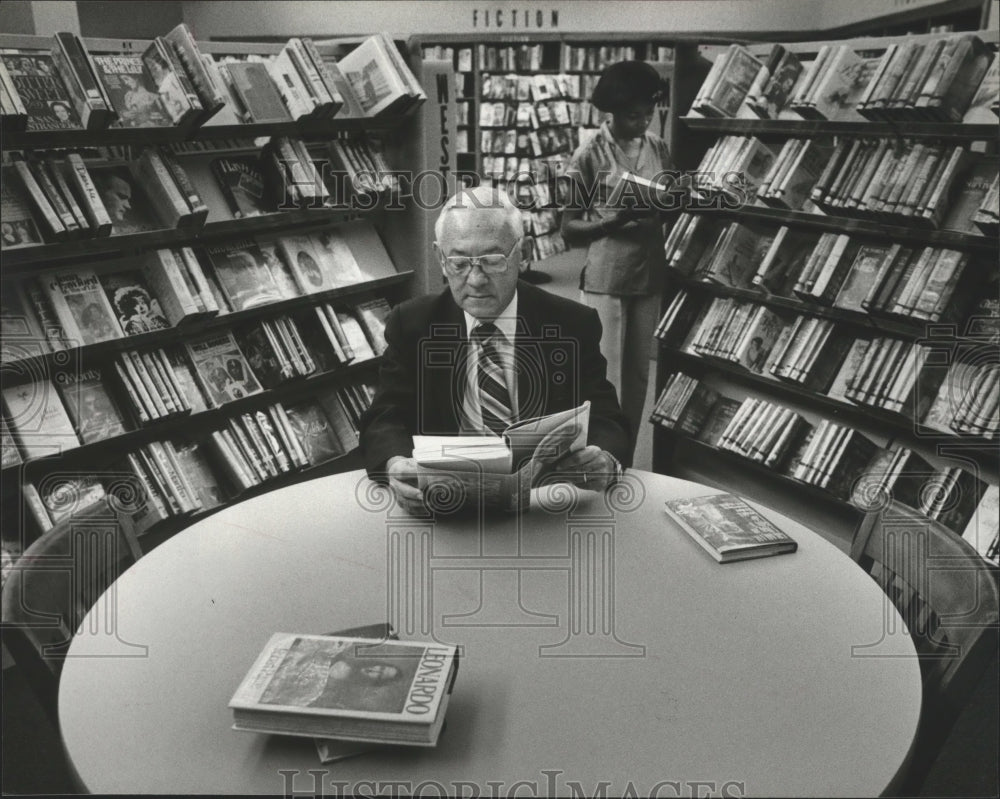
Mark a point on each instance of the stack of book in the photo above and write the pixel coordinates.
(363, 163)
(784, 260)
(893, 374)
(719, 416)
(809, 353)
(932, 80)
(683, 404)
(275, 350)
(732, 258)
(832, 84)
(735, 166)
(764, 432)
(965, 401)
(157, 385)
(348, 689)
(687, 241)
(741, 332)
(833, 458)
(728, 81)
(180, 285)
(794, 173)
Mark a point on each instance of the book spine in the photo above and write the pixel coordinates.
(85, 106)
(325, 72)
(59, 178)
(160, 186)
(289, 85)
(259, 445)
(245, 448)
(153, 499)
(184, 184)
(291, 455)
(274, 444)
(168, 52)
(235, 470)
(93, 206)
(189, 262)
(137, 394)
(185, 48)
(173, 486)
(310, 75)
(36, 507)
(163, 273)
(55, 199)
(144, 381)
(177, 467)
(170, 379)
(38, 199)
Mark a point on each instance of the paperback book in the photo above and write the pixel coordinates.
(347, 688)
(729, 529)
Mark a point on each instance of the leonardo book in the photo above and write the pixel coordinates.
(348, 688)
(728, 528)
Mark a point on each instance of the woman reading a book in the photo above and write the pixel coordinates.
(622, 274)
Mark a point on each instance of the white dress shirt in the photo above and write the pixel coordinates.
(506, 322)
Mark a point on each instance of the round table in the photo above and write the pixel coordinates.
(601, 646)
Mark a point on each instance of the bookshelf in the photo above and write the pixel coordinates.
(523, 151)
(964, 338)
(390, 246)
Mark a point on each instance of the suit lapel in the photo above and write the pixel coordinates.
(528, 364)
(445, 367)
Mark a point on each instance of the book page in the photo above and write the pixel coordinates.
(545, 439)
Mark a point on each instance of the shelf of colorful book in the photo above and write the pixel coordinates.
(896, 327)
(806, 128)
(951, 239)
(985, 450)
(62, 253)
(48, 360)
(85, 456)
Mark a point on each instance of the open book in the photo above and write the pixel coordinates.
(498, 472)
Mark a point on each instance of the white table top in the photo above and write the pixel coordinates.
(599, 646)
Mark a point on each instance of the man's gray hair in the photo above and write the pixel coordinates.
(481, 197)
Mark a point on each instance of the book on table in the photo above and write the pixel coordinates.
(350, 688)
(499, 471)
(729, 529)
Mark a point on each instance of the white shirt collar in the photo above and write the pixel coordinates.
(506, 321)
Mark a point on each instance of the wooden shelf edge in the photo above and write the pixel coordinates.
(952, 131)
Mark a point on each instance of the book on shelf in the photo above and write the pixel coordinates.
(347, 688)
(984, 526)
(281, 274)
(252, 83)
(82, 306)
(68, 494)
(21, 333)
(10, 455)
(373, 71)
(133, 94)
(136, 309)
(242, 183)
(17, 227)
(727, 83)
(85, 89)
(683, 404)
(93, 410)
(172, 85)
(45, 213)
(42, 90)
(126, 205)
(90, 199)
(188, 58)
(221, 368)
(372, 314)
(772, 87)
(314, 430)
(242, 274)
(950, 497)
(728, 528)
(37, 419)
(983, 108)
(355, 339)
(499, 472)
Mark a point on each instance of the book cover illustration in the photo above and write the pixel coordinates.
(280, 273)
(313, 430)
(242, 184)
(336, 260)
(225, 373)
(728, 528)
(132, 92)
(94, 412)
(243, 274)
(125, 203)
(138, 311)
(42, 91)
(17, 226)
(354, 688)
(81, 295)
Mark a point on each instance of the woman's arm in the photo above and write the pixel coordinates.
(579, 231)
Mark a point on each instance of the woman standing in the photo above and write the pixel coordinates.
(623, 273)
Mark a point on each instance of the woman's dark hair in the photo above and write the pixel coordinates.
(625, 84)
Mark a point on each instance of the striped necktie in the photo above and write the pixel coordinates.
(494, 399)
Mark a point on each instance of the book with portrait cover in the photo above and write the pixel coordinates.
(18, 226)
(94, 412)
(728, 528)
(243, 275)
(347, 688)
(132, 91)
(42, 90)
(124, 201)
(221, 368)
(137, 310)
(242, 184)
(82, 306)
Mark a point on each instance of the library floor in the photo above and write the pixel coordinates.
(34, 763)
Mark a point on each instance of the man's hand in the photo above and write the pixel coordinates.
(402, 474)
(591, 468)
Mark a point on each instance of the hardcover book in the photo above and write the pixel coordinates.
(728, 528)
(132, 91)
(41, 89)
(314, 432)
(347, 688)
(17, 225)
(242, 184)
(123, 200)
(252, 83)
(82, 306)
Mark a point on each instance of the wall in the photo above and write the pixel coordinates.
(20, 16)
(129, 19)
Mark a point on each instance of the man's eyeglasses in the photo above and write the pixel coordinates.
(492, 264)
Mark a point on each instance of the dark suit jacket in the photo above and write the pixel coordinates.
(422, 379)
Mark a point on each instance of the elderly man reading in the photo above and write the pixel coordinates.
(488, 351)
